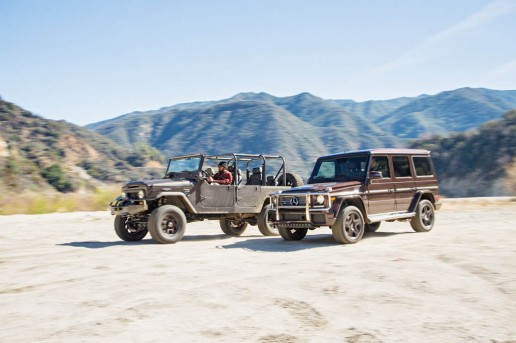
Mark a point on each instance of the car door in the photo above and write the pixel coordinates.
(404, 183)
(216, 198)
(380, 192)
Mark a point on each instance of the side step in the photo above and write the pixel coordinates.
(390, 216)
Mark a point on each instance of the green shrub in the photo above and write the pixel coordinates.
(57, 179)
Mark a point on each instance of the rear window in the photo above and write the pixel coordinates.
(401, 166)
(422, 166)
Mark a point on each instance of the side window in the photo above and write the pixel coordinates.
(381, 164)
(422, 166)
(401, 166)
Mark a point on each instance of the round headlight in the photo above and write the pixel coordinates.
(123, 195)
(141, 194)
(319, 199)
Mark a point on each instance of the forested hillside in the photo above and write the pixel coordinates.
(476, 163)
(39, 154)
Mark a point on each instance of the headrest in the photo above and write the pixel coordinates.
(257, 170)
(209, 171)
(270, 178)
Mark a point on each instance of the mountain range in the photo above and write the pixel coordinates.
(462, 127)
(304, 126)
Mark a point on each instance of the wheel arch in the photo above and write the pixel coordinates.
(177, 199)
(421, 195)
(352, 201)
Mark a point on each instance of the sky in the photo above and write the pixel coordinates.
(90, 60)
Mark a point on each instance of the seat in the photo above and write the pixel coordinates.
(255, 179)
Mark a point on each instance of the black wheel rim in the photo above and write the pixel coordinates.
(353, 225)
(169, 225)
(236, 226)
(427, 215)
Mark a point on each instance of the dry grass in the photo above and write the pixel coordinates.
(38, 203)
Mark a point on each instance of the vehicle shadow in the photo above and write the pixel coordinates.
(100, 245)
(368, 235)
(276, 244)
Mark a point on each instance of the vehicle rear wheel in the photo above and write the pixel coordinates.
(425, 217)
(167, 224)
(292, 234)
(233, 228)
(263, 222)
(293, 180)
(127, 230)
(372, 227)
(349, 227)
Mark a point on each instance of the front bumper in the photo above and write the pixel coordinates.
(124, 207)
(304, 214)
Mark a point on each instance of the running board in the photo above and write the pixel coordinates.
(390, 216)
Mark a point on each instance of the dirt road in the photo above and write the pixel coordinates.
(68, 278)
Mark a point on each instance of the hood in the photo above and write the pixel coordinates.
(160, 183)
(323, 187)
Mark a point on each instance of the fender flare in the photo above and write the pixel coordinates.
(180, 195)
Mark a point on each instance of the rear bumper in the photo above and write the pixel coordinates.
(125, 207)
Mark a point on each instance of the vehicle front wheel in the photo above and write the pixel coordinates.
(167, 224)
(233, 228)
(349, 227)
(292, 234)
(263, 222)
(372, 227)
(127, 230)
(425, 217)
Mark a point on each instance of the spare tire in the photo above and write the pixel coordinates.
(293, 180)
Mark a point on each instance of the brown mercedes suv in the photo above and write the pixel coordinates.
(354, 192)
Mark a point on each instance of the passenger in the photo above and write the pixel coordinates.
(223, 177)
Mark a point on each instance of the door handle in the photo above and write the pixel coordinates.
(390, 190)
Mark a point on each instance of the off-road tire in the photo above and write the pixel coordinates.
(232, 227)
(122, 227)
(292, 234)
(263, 222)
(425, 217)
(372, 227)
(293, 180)
(167, 224)
(349, 227)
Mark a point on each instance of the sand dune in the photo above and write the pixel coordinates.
(68, 278)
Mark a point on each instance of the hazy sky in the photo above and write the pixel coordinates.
(86, 61)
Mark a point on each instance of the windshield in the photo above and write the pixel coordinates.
(184, 165)
(340, 168)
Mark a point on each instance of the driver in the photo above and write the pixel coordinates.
(223, 177)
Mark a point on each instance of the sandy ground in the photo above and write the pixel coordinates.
(68, 278)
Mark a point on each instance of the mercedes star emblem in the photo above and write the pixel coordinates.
(294, 201)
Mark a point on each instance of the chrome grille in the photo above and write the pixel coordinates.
(294, 201)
